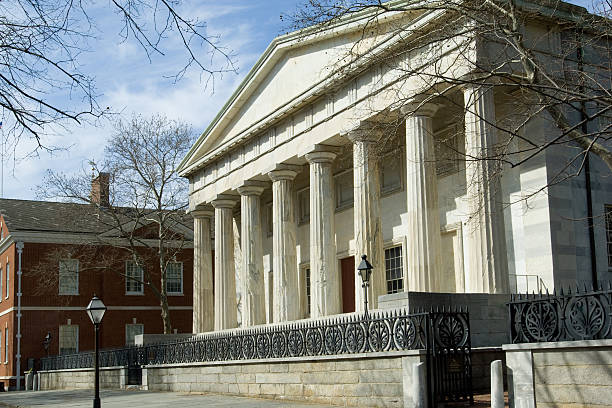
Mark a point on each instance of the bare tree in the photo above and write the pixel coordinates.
(562, 74)
(140, 209)
(42, 45)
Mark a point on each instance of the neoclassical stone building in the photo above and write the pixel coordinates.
(328, 150)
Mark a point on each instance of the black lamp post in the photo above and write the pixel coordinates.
(95, 311)
(47, 342)
(365, 270)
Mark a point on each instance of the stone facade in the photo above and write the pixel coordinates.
(359, 163)
(560, 374)
(110, 377)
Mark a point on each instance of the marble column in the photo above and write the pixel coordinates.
(424, 249)
(203, 312)
(324, 276)
(225, 279)
(367, 219)
(252, 279)
(286, 299)
(486, 241)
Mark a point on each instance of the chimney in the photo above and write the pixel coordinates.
(100, 190)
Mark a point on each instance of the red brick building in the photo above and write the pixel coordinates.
(60, 272)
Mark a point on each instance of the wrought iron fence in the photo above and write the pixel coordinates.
(383, 331)
(581, 314)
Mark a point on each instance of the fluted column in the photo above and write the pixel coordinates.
(225, 279)
(324, 277)
(423, 253)
(486, 241)
(367, 220)
(286, 300)
(252, 280)
(203, 311)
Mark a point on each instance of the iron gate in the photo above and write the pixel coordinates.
(449, 358)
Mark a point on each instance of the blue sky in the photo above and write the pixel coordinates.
(129, 83)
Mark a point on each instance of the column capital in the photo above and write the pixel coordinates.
(419, 109)
(252, 187)
(367, 131)
(203, 211)
(224, 201)
(321, 153)
(284, 172)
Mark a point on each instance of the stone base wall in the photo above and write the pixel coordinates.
(560, 374)
(372, 380)
(488, 312)
(110, 377)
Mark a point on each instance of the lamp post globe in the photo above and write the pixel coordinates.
(365, 270)
(95, 310)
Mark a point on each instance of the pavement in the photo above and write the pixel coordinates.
(135, 399)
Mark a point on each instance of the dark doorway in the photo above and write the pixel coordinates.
(347, 265)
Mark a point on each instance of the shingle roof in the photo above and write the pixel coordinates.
(27, 215)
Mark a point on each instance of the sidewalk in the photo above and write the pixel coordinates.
(135, 399)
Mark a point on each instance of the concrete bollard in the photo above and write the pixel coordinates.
(497, 384)
(419, 385)
(35, 382)
(28, 381)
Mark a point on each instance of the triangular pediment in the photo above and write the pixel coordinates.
(288, 71)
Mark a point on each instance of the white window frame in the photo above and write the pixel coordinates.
(76, 289)
(127, 279)
(76, 337)
(401, 268)
(179, 293)
(8, 279)
(127, 326)
(6, 345)
(1, 281)
(340, 206)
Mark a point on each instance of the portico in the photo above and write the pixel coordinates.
(323, 177)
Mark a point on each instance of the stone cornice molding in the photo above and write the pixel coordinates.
(224, 201)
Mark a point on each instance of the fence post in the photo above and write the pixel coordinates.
(419, 386)
(497, 384)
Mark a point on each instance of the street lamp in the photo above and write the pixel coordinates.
(47, 342)
(95, 311)
(365, 270)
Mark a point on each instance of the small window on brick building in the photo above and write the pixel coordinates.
(1, 282)
(174, 278)
(134, 276)
(131, 331)
(6, 345)
(69, 277)
(394, 269)
(68, 339)
(8, 277)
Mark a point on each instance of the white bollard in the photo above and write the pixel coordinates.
(419, 385)
(28, 381)
(497, 384)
